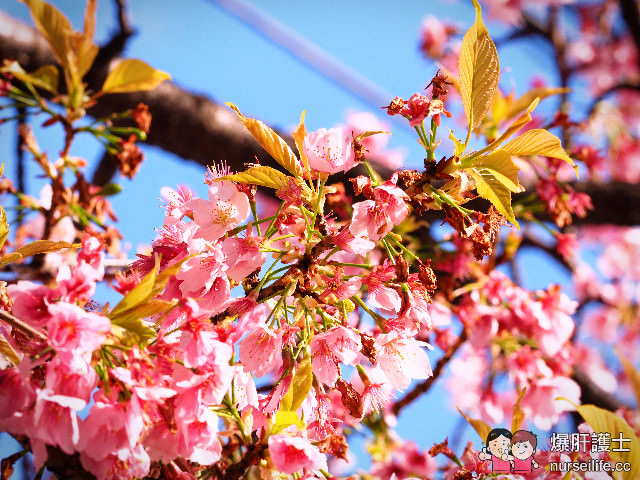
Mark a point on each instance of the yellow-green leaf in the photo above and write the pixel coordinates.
(299, 387)
(271, 142)
(261, 175)
(491, 188)
(7, 350)
(632, 374)
(518, 413)
(33, 248)
(83, 45)
(520, 122)
(298, 135)
(459, 146)
(500, 165)
(55, 27)
(604, 421)
(301, 384)
(523, 101)
(4, 227)
(137, 326)
(537, 142)
(138, 295)
(284, 419)
(478, 425)
(479, 70)
(45, 77)
(369, 133)
(132, 75)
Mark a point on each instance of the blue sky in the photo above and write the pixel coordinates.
(208, 51)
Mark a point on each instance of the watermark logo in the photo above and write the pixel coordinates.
(510, 453)
(574, 452)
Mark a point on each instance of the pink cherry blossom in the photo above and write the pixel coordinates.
(198, 274)
(226, 209)
(540, 404)
(401, 359)
(72, 328)
(336, 345)
(243, 256)
(175, 202)
(376, 218)
(295, 454)
(380, 295)
(261, 350)
(329, 151)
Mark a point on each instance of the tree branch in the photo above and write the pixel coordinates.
(200, 130)
(423, 387)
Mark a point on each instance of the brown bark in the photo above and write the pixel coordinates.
(198, 129)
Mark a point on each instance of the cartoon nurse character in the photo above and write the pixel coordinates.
(497, 450)
(523, 446)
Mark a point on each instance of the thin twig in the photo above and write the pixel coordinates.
(424, 387)
(22, 326)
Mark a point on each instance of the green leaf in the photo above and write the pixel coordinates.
(132, 75)
(479, 70)
(55, 27)
(369, 133)
(261, 175)
(138, 295)
(7, 350)
(492, 189)
(298, 135)
(459, 146)
(271, 142)
(301, 384)
(481, 427)
(110, 189)
(4, 227)
(500, 165)
(525, 100)
(45, 77)
(518, 413)
(284, 419)
(86, 51)
(632, 374)
(520, 122)
(33, 248)
(604, 421)
(537, 142)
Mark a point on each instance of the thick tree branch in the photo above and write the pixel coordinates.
(200, 130)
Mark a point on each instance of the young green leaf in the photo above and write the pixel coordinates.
(500, 165)
(604, 421)
(33, 248)
(45, 77)
(7, 350)
(55, 27)
(479, 70)
(271, 142)
(141, 293)
(480, 426)
(132, 75)
(82, 43)
(537, 142)
(632, 374)
(525, 99)
(493, 189)
(301, 384)
(4, 227)
(260, 175)
(298, 135)
(518, 413)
